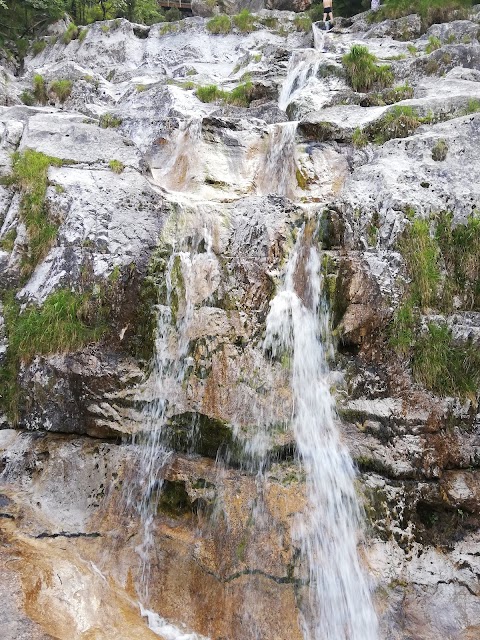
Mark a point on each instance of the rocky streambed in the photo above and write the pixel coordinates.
(127, 197)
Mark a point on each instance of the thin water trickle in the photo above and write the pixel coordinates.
(162, 390)
(278, 172)
(180, 170)
(298, 324)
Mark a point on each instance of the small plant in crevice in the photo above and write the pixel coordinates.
(116, 166)
(362, 70)
(473, 106)
(38, 46)
(440, 151)
(109, 121)
(359, 138)
(39, 89)
(398, 122)
(27, 98)
(433, 44)
(70, 34)
(62, 89)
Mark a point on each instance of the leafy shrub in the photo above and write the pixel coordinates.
(220, 23)
(244, 21)
(109, 121)
(302, 22)
(39, 89)
(440, 151)
(62, 89)
(362, 71)
(70, 34)
(116, 166)
(173, 15)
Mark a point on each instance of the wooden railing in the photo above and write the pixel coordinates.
(179, 4)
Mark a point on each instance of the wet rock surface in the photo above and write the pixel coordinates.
(234, 183)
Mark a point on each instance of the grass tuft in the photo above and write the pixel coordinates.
(244, 21)
(62, 89)
(109, 121)
(362, 70)
(220, 23)
(30, 176)
(116, 166)
(70, 34)
(39, 89)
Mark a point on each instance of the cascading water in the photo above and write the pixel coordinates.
(298, 323)
(302, 68)
(163, 389)
(278, 171)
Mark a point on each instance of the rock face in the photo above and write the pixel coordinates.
(167, 226)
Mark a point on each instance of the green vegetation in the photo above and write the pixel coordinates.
(116, 166)
(240, 96)
(27, 98)
(82, 34)
(70, 34)
(443, 264)
(430, 11)
(38, 46)
(473, 106)
(412, 49)
(62, 89)
(30, 176)
(244, 21)
(440, 151)
(362, 71)
(59, 325)
(303, 22)
(173, 15)
(39, 89)
(359, 138)
(391, 95)
(434, 43)
(220, 23)
(398, 122)
(109, 121)
(8, 241)
(442, 366)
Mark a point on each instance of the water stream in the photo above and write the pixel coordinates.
(278, 172)
(298, 324)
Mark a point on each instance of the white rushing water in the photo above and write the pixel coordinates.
(165, 629)
(278, 171)
(302, 69)
(298, 323)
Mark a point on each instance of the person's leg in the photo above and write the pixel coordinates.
(325, 16)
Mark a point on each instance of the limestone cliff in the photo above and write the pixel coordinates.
(169, 140)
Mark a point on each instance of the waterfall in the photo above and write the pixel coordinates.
(278, 173)
(302, 68)
(163, 388)
(298, 324)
